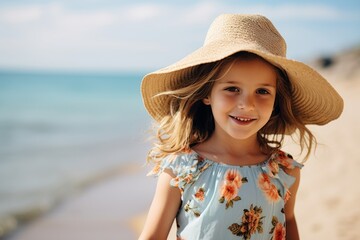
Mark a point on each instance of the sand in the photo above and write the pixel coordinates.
(104, 211)
(327, 204)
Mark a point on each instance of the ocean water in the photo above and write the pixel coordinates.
(60, 132)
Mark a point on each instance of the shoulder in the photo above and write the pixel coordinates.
(184, 168)
(184, 161)
(284, 166)
(286, 161)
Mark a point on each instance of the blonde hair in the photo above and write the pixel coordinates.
(190, 121)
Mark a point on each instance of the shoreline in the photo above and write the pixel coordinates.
(105, 184)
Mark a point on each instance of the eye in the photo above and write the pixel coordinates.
(262, 91)
(232, 89)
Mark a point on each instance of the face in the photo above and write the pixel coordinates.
(242, 100)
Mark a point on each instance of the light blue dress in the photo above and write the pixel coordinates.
(221, 201)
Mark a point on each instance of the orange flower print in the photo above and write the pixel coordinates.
(251, 222)
(278, 231)
(274, 167)
(200, 194)
(269, 189)
(233, 176)
(189, 174)
(230, 187)
(284, 159)
(229, 191)
(188, 178)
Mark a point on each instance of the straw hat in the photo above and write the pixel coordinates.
(314, 100)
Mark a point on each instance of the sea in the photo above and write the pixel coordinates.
(61, 132)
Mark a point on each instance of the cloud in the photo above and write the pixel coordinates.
(57, 16)
(142, 12)
(20, 14)
(200, 13)
(126, 34)
(299, 12)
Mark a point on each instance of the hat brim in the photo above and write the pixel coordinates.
(315, 101)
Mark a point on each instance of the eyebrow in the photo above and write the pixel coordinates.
(267, 85)
(261, 84)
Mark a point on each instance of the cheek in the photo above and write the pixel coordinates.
(223, 102)
(267, 106)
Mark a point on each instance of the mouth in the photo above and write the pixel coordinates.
(243, 120)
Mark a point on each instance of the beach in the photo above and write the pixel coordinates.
(326, 206)
(104, 211)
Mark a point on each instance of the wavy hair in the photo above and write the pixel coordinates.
(191, 122)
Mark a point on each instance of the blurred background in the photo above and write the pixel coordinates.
(73, 131)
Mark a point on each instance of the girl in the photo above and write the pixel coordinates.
(222, 114)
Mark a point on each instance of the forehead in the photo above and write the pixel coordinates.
(254, 69)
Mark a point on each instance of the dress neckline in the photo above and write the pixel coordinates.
(259, 164)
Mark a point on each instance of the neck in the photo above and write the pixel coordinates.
(236, 147)
(232, 151)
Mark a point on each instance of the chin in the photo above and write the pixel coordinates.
(242, 136)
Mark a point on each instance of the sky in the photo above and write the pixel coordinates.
(128, 35)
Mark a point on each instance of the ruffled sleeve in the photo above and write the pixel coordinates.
(276, 169)
(186, 167)
(286, 161)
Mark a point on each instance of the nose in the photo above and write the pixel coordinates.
(245, 101)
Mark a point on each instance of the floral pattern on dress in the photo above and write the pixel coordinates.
(278, 160)
(190, 207)
(285, 159)
(273, 167)
(278, 231)
(200, 194)
(251, 222)
(210, 189)
(230, 187)
(189, 174)
(268, 188)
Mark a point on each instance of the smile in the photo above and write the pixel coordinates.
(243, 119)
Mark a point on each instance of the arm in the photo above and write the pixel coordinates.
(163, 209)
(292, 232)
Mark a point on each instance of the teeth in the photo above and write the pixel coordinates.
(243, 119)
